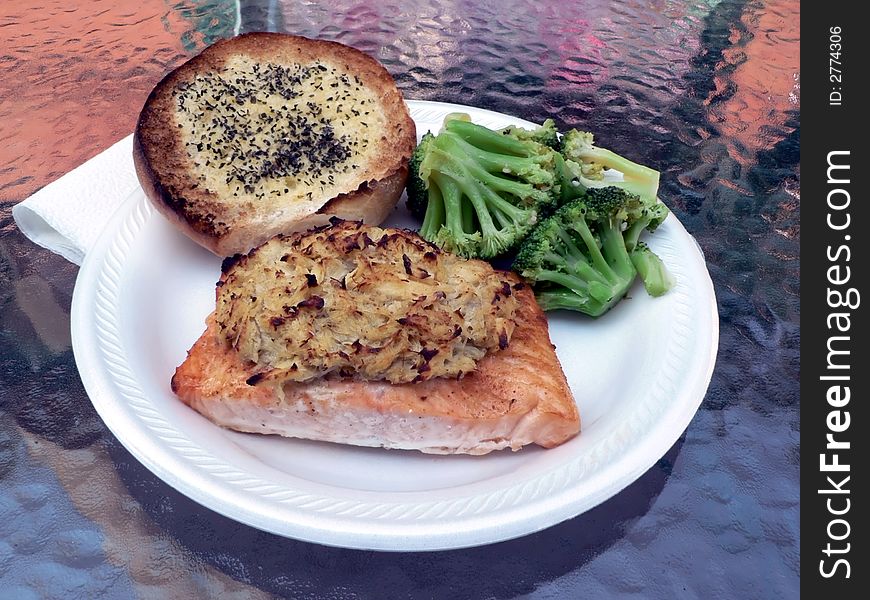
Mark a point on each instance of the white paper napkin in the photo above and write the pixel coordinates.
(68, 214)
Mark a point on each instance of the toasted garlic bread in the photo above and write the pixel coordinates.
(269, 133)
(510, 390)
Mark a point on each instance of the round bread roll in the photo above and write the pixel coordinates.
(269, 133)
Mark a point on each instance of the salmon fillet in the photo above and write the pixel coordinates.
(515, 397)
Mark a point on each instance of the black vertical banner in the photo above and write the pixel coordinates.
(835, 256)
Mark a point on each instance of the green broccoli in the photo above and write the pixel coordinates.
(479, 191)
(639, 214)
(547, 134)
(578, 258)
(645, 215)
(656, 278)
(587, 166)
(418, 197)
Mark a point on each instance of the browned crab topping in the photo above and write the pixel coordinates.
(353, 301)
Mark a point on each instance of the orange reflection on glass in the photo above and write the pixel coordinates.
(74, 78)
(764, 83)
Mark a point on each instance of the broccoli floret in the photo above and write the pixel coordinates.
(579, 258)
(479, 191)
(587, 166)
(647, 216)
(546, 134)
(529, 177)
(639, 213)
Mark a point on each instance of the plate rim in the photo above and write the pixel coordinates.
(102, 385)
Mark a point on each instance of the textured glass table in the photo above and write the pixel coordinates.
(708, 92)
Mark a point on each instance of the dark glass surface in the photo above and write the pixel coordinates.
(707, 92)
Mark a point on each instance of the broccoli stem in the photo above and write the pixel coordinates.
(632, 234)
(575, 262)
(487, 139)
(567, 190)
(508, 186)
(489, 161)
(573, 250)
(656, 278)
(468, 218)
(613, 246)
(502, 184)
(564, 299)
(493, 213)
(598, 260)
(601, 292)
(435, 213)
(460, 183)
(486, 206)
(509, 215)
(564, 279)
(605, 281)
(637, 179)
(454, 188)
(592, 305)
(452, 196)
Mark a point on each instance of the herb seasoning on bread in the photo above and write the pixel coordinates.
(270, 133)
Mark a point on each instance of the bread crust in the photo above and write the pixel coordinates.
(163, 166)
(516, 396)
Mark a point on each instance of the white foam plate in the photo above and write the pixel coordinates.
(638, 376)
